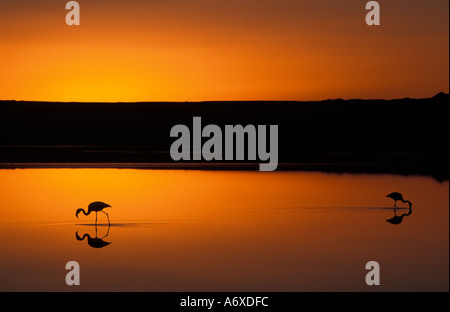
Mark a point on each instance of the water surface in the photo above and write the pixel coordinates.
(180, 230)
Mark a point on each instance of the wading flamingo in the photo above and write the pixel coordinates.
(95, 206)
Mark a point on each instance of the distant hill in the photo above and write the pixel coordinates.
(407, 135)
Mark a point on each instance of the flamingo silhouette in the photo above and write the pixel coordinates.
(398, 196)
(94, 206)
(399, 219)
(94, 242)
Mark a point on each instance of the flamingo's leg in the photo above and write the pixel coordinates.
(96, 217)
(107, 232)
(107, 217)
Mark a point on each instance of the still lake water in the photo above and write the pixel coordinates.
(221, 231)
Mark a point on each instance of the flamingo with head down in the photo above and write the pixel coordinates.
(94, 207)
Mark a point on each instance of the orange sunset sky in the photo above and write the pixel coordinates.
(194, 50)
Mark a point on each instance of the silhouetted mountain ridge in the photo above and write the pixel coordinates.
(403, 132)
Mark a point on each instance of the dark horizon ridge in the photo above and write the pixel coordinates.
(233, 101)
(404, 135)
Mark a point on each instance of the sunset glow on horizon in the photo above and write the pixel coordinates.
(201, 50)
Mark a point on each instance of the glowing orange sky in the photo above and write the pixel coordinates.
(195, 50)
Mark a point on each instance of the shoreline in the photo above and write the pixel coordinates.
(438, 172)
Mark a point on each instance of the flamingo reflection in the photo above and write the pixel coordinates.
(399, 219)
(94, 242)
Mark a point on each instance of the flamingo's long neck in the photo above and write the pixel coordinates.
(83, 237)
(82, 210)
(407, 201)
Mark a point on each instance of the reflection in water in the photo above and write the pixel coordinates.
(94, 242)
(200, 231)
(399, 219)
